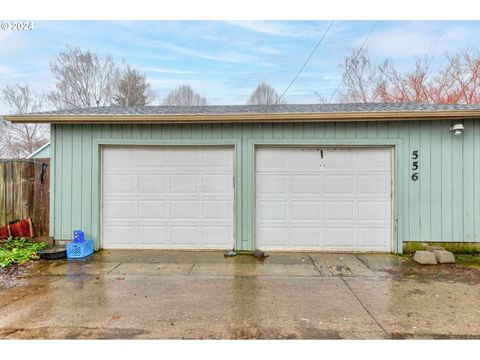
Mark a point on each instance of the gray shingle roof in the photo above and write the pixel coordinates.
(262, 109)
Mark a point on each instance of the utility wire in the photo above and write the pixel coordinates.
(305, 63)
(355, 58)
(435, 42)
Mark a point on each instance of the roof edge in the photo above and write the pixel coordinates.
(38, 150)
(244, 118)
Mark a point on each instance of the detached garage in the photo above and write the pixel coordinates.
(326, 177)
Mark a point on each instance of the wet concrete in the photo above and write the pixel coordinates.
(203, 295)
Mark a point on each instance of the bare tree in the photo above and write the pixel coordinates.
(457, 80)
(359, 79)
(83, 79)
(132, 88)
(184, 96)
(20, 140)
(264, 94)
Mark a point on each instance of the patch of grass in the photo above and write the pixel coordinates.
(19, 251)
(456, 247)
(471, 261)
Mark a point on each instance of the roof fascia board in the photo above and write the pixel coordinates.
(246, 118)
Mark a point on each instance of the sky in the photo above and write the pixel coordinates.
(225, 60)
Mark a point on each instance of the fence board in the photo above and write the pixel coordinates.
(25, 192)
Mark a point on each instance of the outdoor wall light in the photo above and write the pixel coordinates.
(458, 128)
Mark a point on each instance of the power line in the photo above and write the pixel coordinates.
(435, 42)
(305, 63)
(355, 58)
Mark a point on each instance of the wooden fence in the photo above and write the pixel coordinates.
(25, 192)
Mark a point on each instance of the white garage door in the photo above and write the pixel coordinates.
(323, 198)
(167, 197)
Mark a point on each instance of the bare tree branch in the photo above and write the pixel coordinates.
(264, 94)
(458, 81)
(83, 79)
(184, 96)
(20, 140)
(132, 88)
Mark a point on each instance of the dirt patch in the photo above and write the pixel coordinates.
(458, 272)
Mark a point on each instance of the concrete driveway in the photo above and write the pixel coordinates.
(202, 295)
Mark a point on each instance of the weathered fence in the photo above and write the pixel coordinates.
(25, 192)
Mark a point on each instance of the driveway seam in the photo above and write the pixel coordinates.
(315, 266)
(365, 308)
(363, 262)
(109, 271)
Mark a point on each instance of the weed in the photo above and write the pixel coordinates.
(18, 251)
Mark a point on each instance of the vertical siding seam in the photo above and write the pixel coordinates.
(441, 186)
(81, 177)
(430, 177)
(420, 233)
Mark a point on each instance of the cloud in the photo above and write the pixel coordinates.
(267, 50)
(275, 28)
(164, 70)
(229, 56)
(9, 73)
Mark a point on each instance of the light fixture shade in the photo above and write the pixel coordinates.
(458, 129)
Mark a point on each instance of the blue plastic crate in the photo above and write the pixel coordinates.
(78, 236)
(79, 250)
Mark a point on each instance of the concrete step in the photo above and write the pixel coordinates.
(425, 257)
(444, 256)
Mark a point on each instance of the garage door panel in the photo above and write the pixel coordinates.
(269, 184)
(152, 235)
(274, 236)
(339, 184)
(329, 198)
(306, 184)
(304, 158)
(373, 237)
(373, 211)
(213, 236)
(152, 183)
(340, 237)
(272, 160)
(185, 183)
(184, 209)
(339, 159)
(120, 209)
(339, 210)
(306, 237)
(306, 210)
(119, 159)
(122, 234)
(374, 184)
(272, 210)
(152, 209)
(217, 209)
(184, 235)
(374, 159)
(119, 183)
(217, 183)
(167, 197)
(217, 159)
(183, 158)
(152, 160)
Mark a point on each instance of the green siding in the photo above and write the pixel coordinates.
(42, 153)
(443, 205)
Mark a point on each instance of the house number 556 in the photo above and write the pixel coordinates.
(415, 165)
